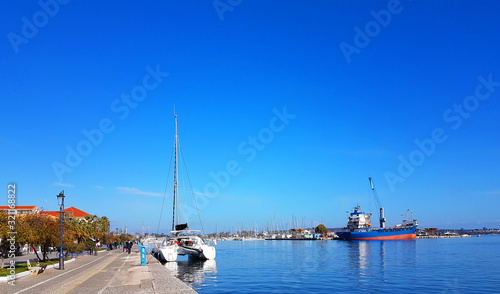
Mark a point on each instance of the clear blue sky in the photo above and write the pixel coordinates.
(359, 82)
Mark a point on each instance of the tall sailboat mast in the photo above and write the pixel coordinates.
(175, 216)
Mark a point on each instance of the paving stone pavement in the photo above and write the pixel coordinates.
(108, 272)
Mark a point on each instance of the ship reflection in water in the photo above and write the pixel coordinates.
(359, 252)
(197, 273)
(364, 260)
(368, 261)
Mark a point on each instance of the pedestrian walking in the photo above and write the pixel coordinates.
(129, 246)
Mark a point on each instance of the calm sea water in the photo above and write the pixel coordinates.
(458, 265)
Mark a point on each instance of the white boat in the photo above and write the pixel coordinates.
(193, 245)
(182, 242)
(167, 251)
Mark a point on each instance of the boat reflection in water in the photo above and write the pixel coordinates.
(197, 273)
(370, 267)
(367, 263)
(359, 256)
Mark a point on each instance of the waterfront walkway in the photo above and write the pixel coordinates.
(108, 272)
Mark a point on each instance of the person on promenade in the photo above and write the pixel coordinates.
(129, 247)
(124, 246)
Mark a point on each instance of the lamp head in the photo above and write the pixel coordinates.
(60, 198)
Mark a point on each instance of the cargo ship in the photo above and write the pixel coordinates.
(359, 226)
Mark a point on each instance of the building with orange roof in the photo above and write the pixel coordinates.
(71, 212)
(51, 213)
(74, 212)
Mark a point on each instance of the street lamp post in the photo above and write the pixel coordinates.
(60, 201)
(109, 242)
(95, 235)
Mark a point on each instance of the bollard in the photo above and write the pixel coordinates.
(142, 249)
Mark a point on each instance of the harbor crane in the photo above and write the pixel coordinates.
(407, 223)
(377, 203)
(406, 217)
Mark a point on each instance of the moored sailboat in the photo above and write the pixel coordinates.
(183, 240)
(167, 251)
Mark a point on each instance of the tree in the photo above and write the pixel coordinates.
(102, 228)
(39, 230)
(321, 229)
(85, 229)
(78, 230)
(4, 235)
(82, 229)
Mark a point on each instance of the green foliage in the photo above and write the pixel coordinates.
(44, 231)
(321, 229)
(39, 230)
(102, 228)
(4, 245)
(85, 229)
(19, 268)
(22, 267)
(75, 248)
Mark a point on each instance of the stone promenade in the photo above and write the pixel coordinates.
(108, 272)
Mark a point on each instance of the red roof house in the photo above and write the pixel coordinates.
(75, 212)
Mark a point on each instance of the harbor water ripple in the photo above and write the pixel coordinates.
(455, 265)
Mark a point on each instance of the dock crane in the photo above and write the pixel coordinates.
(377, 202)
(407, 223)
(405, 220)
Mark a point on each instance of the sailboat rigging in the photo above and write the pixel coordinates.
(181, 243)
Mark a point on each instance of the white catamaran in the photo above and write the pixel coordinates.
(183, 241)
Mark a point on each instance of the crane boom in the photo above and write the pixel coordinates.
(405, 220)
(406, 215)
(375, 195)
(379, 206)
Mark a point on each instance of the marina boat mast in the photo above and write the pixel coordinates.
(175, 213)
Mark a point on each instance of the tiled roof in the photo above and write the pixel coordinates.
(71, 212)
(75, 212)
(51, 213)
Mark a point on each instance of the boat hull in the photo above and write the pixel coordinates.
(167, 254)
(380, 234)
(203, 252)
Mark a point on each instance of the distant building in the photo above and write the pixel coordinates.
(297, 233)
(71, 212)
(74, 212)
(432, 231)
(51, 213)
(33, 209)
